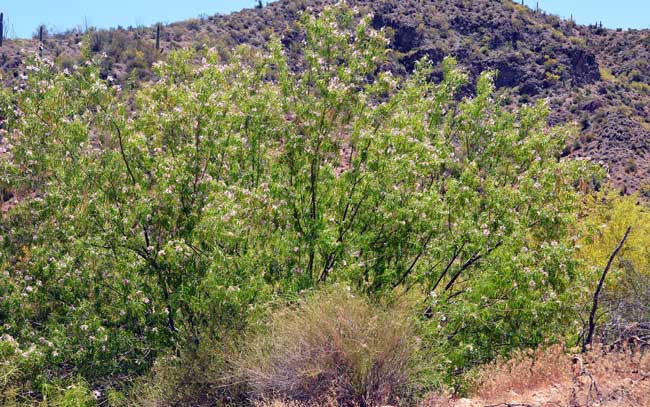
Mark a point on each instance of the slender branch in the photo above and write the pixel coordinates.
(126, 162)
(342, 232)
(465, 266)
(468, 264)
(446, 270)
(594, 307)
(313, 187)
(408, 271)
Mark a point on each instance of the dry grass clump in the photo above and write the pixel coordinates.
(199, 377)
(278, 403)
(525, 371)
(335, 348)
(603, 377)
(612, 378)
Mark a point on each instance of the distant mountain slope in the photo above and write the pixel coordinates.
(595, 77)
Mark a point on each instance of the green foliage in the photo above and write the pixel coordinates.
(624, 301)
(158, 218)
(607, 75)
(607, 216)
(24, 369)
(200, 376)
(19, 365)
(75, 395)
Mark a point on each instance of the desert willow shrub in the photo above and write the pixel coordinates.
(180, 209)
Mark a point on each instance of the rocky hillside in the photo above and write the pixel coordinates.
(595, 77)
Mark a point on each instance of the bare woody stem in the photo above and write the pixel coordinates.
(594, 307)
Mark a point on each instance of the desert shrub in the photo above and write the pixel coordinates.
(630, 166)
(72, 395)
(193, 24)
(66, 61)
(626, 294)
(334, 345)
(606, 74)
(193, 376)
(178, 211)
(19, 365)
(626, 305)
(23, 369)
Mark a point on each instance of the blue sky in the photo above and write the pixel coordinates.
(23, 16)
(613, 13)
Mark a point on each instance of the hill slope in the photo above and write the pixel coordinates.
(595, 77)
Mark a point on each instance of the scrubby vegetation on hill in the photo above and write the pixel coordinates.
(295, 223)
(595, 77)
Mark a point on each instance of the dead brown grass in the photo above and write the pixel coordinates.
(524, 372)
(551, 378)
(333, 349)
(277, 403)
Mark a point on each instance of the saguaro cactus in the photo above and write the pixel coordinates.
(158, 37)
(2, 28)
(40, 41)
